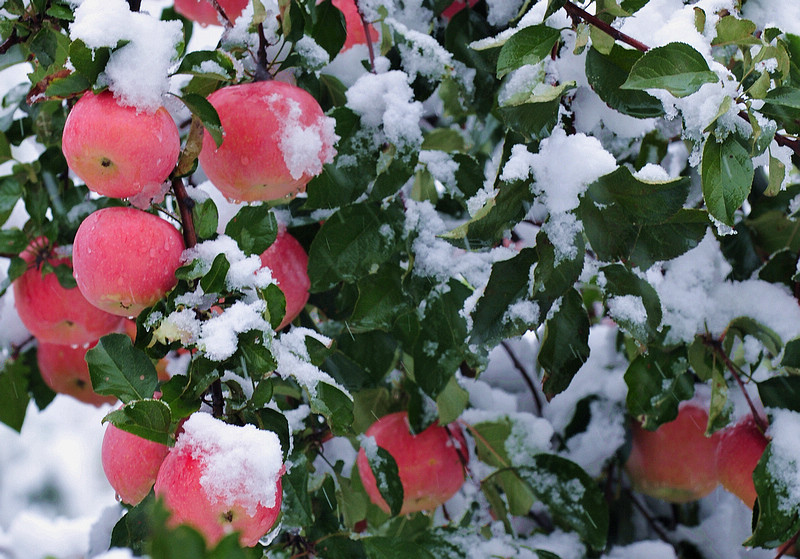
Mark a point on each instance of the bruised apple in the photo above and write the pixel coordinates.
(272, 149)
(204, 12)
(120, 151)
(63, 368)
(430, 464)
(131, 463)
(125, 259)
(289, 265)
(740, 449)
(51, 312)
(677, 462)
(221, 478)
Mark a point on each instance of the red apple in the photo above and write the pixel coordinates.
(221, 478)
(676, 462)
(429, 464)
(131, 463)
(456, 7)
(52, 313)
(120, 151)
(125, 259)
(273, 148)
(354, 26)
(63, 368)
(204, 12)
(289, 264)
(740, 449)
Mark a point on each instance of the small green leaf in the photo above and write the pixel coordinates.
(607, 72)
(444, 139)
(527, 46)
(622, 282)
(14, 396)
(118, 369)
(778, 518)
(746, 326)
(727, 173)
(212, 64)
(254, 228)
(214, 280)
(206, 217)
(298, 508)
(88, 62)
(734, 31)
(676, 67)
(384, 468)
(380, 300)
(335, 405)
(657, 383)
(781, 392)
(329, 29)
(149, 419)
(565, 347)
(205, 111)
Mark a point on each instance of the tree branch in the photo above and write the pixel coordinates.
(227, 21)
(524, 373)
(368, 35)
(657, 528)
(787, 547)
(12, 40)
(185, 205)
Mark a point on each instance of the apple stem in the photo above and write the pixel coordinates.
(522, 371)
(135, 5)
(221, 12)
(368, 35)
(786, 547)
(262, 74)
(716, 346)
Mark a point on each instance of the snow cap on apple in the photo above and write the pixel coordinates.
(271, 150)
(221, 478)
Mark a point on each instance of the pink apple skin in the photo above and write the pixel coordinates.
(289, 264)
(255, 160)
(740, 449)
(117, 151)
(429, 464)
(125, 259)
(355, 28)
(131, 463)
(178, 484)
(64, 370)
(204, 13)
(456, 7)
(50, 312)
(676, 462)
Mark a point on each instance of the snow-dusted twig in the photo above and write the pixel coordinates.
(368, 35)
(226, 20)
(524, 373)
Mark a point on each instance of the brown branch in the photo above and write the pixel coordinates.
(185, 205)
(524, 373)
(368, 35)
(221, 11)
(716, 346)
(576, 12)
(135, 5)
(12, 40)
(262, 74)
(787, 547)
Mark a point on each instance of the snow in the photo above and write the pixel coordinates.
(784, 463)
(649, 549)
(293, 360)
(241, 465)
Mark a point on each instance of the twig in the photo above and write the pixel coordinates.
(221, 11)
(12, 40)
(135, 5)
(716, 345)
(368, 35)
(185, 205)
(649, 518)
(576, 12)
(786, 547)
(217, 402)
(261, 60)
(522, 371)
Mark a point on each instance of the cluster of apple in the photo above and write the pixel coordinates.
(678, 463)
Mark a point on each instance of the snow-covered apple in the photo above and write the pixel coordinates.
(221, 478)
(271, 150)
(119, 151)
(63, 368)
(131, 463)
(677, 461)
(740, 449)
(51, 312)
(125, 259)
(430, 464)
(204, 12)
(289, 265)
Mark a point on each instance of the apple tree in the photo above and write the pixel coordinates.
(414, 278)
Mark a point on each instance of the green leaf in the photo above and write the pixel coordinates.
(332, 188)
(657, 383)
(734, 31)
(12, 241)
(10, 193)
(329, 30)
(571, 495)
(205, 111)
(44, 46)
(746, 326)
(149, 419)
(381, 547)
(622, 282)
(14, 396)
(565, 347)
(444, 139)
(212, 64)
(67, 86)
(607, 72)
(781, 392)
(384, 468)
(380, 301)
(676, 67)
(352, 242)
(527, 46)
(254, 228)
(297, 509)
(534, 120)
(118, 369)
(335, 405)
(206, 217)
(778, 518)
(451, 402)
(791, 355)
(214, 280)
(727, 172)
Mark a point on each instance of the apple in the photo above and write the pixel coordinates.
(289, 265)
(63, 368)
(740, 449)
(353, 24)
(273, 148)
(456, 7)
(50, 312)
(221, 478)
(430, 464)
(125, 259)
(120, 151)
(677, 461)
(204, 12)
(131, 463)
